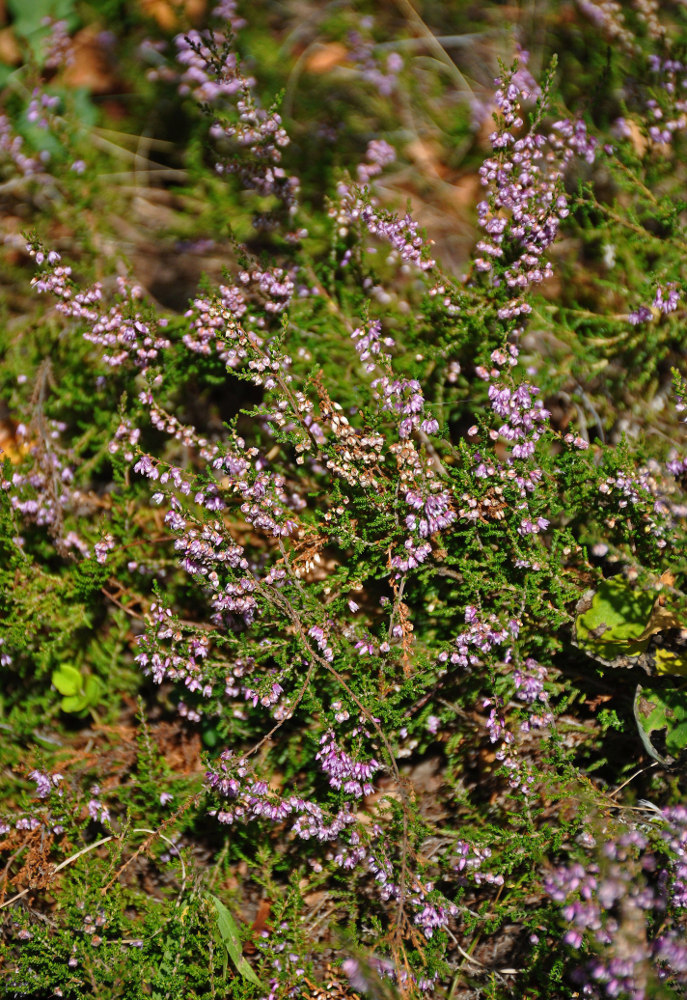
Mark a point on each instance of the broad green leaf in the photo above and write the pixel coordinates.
(661, 715)
(231, 940)
(67, 679)
(74, 703)
(671, 663)
(80, 693)
(615, 622)
(92, 689)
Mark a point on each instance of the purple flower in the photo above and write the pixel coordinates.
(45, 783)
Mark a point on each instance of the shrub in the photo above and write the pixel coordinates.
(382, 537)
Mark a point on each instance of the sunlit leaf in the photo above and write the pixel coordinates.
(74, 703)
(616, 620)
(671, 663)
(67, 679)
(661, 715)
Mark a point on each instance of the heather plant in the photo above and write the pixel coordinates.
(313, 588)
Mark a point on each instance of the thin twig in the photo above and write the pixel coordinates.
(635, 775)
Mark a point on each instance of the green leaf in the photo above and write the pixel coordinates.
(661, 715)
(27, 18)
(67, 679)
(668, 662)
(615, 620)
(92, 689)
(74, 703)
(231, 940)
(79, 693)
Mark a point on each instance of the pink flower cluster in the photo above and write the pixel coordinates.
(121, 330)
(525, 202)
(614, 902)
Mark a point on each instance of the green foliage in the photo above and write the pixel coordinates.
(80, 693)
(28, 20)
(230, 940)
(501, 751)
(614, 622)
(661, 714)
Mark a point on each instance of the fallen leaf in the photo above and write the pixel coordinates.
(161, 12)
(326, 57)
(661, 618)
(426, 156)
(661, 716)
(170, 13)
(90, 67)
(10, 53)
(636, 136)
(594, 703)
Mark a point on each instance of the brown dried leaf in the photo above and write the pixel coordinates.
(261, 917)
(636, 137)
(661, 618)
(169, 13)
(326, 57)
(9, 446)
(10, 53)
(426, 155)
(90, 68)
